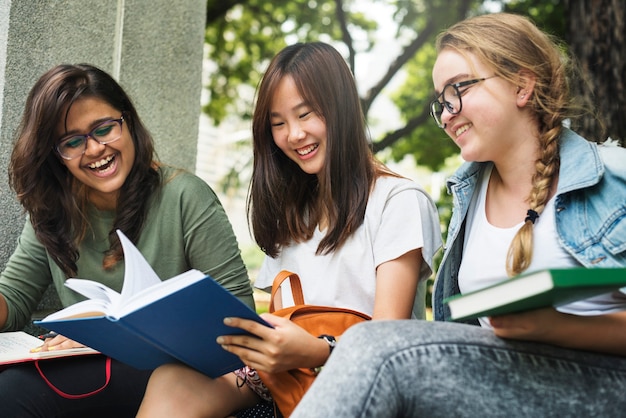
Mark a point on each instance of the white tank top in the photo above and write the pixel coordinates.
(486, 247)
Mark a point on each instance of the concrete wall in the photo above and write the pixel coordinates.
(152, 47)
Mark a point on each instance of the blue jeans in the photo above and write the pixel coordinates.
(435, 369)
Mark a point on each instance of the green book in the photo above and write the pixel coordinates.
(552, 287)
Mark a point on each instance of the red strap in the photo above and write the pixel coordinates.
(82, 395)
(296, 287)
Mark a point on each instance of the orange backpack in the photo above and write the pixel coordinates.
(287, 388)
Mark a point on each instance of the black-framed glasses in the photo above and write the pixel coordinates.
(450, 99)
(74, 146)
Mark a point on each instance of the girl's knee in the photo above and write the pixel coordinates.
(168, 372)
(168, 382)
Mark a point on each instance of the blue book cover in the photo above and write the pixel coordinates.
(176, 320)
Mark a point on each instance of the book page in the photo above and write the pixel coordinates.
(85, 308)
(93, 290)
(15, 347)
(138, 274)
(139, 279)
(159, 291)
(16, 342)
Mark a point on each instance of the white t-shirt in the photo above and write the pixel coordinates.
(399, 218)
(486, 248)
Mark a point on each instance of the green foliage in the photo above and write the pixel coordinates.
(547, 14)
(427, 143)
(241, 44)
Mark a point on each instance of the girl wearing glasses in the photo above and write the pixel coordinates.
(83, 166)
(532, 195)
(358, 235)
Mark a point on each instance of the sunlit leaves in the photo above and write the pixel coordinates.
(242, 43)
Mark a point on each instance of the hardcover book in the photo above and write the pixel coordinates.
(153, 322)
(552, 287)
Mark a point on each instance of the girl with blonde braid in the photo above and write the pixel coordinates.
(532, 195)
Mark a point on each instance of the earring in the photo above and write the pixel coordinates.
(523, 95)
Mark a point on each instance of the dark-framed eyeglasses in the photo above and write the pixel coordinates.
(450, 99)
(106, 132)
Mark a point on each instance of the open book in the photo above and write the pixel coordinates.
(540, 289)
(16, 346)
(153, 322)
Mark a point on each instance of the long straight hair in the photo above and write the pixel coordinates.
(286, 204)
(54, 200)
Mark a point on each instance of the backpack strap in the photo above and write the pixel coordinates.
(107, 378)
(296, 287)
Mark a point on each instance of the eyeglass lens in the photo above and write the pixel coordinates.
(451, 99)
(104, 133)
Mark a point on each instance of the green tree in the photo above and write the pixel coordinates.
(248, 35)
(596, 35)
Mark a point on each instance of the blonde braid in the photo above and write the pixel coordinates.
(549, 102)
(520, 251)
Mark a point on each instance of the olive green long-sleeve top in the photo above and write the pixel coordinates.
(186, 228)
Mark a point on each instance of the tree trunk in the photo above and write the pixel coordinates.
(596, 37)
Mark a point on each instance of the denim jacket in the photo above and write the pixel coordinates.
(590, 211)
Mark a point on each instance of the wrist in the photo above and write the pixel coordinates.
(331, 342)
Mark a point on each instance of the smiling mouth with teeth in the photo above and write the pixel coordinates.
(102, 164)
(462, 129)
(307, 150)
